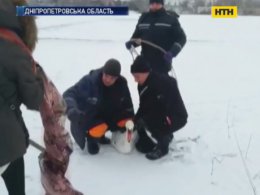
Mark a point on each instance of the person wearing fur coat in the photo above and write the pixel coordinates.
(18, 85)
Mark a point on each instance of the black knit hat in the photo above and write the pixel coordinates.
(157, 1)
(140, 65)
(112, 67)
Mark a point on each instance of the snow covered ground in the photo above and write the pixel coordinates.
(217, 71)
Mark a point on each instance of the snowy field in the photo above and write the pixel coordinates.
(217, 72)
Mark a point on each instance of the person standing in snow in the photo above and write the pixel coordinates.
(163, 29)
(18, 85)
(161, 110)
(100, 101)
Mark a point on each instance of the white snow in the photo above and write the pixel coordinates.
(217, 71)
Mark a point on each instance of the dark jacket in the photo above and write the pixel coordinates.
(160, 98)
(18, 85)
(99, 103)
(164, 30)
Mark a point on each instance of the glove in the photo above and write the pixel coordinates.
(168, 57)
(75, 115)
(129, 44)
(128, 126)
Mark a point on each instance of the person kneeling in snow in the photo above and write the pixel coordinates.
(161, 110)
(99, 101)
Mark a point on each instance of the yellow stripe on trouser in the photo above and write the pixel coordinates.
(98, 131)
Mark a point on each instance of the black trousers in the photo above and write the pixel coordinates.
(158, 125)
(14, 177)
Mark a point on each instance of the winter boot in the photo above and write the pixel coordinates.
(92, 144)
(104, 140)
(157, 153)
(144, 144)
(161, 149)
